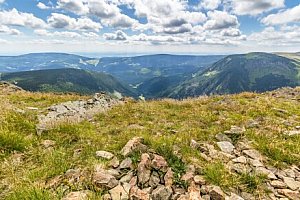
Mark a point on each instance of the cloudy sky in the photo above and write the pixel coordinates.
(149, 26)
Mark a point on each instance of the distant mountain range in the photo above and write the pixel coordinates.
(68, 80)
(246, 72)
(153, 76)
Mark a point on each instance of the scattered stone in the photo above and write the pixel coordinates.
(241, 159)
(169, 176)
(161, 193)
(293, 195)
(223, 138)
(278, 184)
(291, 183)
(137, 194)
(104, 155)
(216, 193)
(154, 179)
(255, 163)
(114, 163)
(75, 111)
(48, 143)
(200, 180)
(126, 164)
(253, 154)
(133, 145)
(143, 170)
(126, 178)
(292, 133)
(114, 172)
(118, 193)
(195, 145)
(234, 197)
(266, 172)
(102, 179)
(106, 197)
(80, 195)
(159, 163)
(226, 147)
(194, 192)
(206, 197)
(235, 130)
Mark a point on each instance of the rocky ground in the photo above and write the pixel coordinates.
(75, 111)
(156, 150)
(152, 178)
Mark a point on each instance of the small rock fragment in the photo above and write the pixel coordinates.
(104, 154)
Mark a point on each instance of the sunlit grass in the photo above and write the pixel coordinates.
(164, 125)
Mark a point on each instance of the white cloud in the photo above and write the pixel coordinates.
(42, 6)
(8, 30)
(210, 4)
(64, 34)
(118, 35)
(16, 18)
(2, 1)
(60, 21)
(120, 21)
(220, 20)
(75, 6)
(254, 7)
(270, 36)
(284, 17)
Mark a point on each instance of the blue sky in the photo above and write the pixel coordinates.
(149, 26)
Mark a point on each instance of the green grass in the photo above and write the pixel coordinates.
(164, 125)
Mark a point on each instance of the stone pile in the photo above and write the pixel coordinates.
(75, 111)
(243, 159)
(151, 177)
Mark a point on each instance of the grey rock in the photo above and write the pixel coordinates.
(104, 154)
(159, 163)
(234, 197)
(226, 147)
(118, 193)
(266, 172)
(138, 194)
(200, 180)
(291, 183)
(293, 195)
(194, 192)
(292, 133)
(256, 163)
(126, 178)
(133, 145)
(241, 159)
(48, 143)
(168, 178)
(104, 180)
(79, 195)
(161, 193)
(222, 137)
(253, 154)
(126, 164)
(278, 184)
(216, 193)
(114, 163)
(143, 170)
(154, 179)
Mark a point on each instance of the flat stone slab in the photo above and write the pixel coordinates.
(226, 147)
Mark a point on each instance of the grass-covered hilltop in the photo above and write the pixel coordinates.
(63, 146)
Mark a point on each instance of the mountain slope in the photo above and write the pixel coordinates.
(67, 80)
(40, 61)
(137, 70)
(237, 73)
